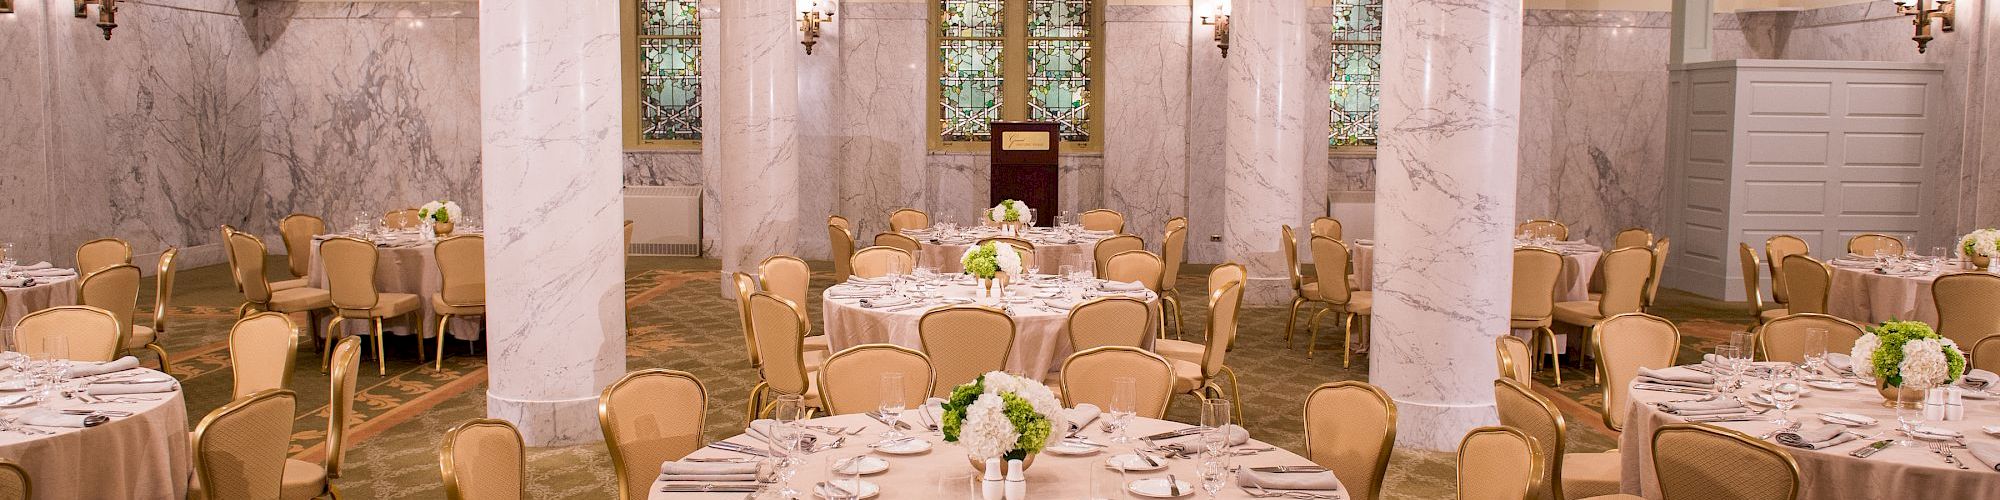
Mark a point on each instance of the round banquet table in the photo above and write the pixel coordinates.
(60, 291)
(1579, 261)
(404, 264)
(1832, 473)
(1041, 331)
(145, 455)
(1863, 295)
(1052, 249)
(942, 472)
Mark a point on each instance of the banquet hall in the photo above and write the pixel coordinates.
(999, 249)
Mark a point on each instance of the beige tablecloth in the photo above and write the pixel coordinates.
(1051, 250)
(1041, 336)
(943, 474)
(21, 301)
(1833, 474)
(408, 267)
(1861, 295)
(1579, 261)
(144, 456)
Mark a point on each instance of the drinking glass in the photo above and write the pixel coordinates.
(1124, 404)
(846, 472)
(892, 403)
(1215, 423)
(1063, 271)
(7, 259)
(1725, 360)
(1784, 393)
(1815, 350)
(1907, 419)
(1106, 481)
(1214, 472)
(1938, 256)
(784, 446)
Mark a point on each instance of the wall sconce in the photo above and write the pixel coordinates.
(1925, 10)
(1221, 23)
(107, 14)
(810, 19)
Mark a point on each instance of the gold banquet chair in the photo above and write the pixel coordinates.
(964, 342)
(259, 294)
(400, 219)
(815, 346)
(1624, 344)
(1113, 320)
(1350, 427)
(1536, 271)
(785, 276)
(1968, 306)
(97, 254)
(1144, 268)
(115, 288)
(1219, 277)
(1626, 273)
(1705, 462)
(1747, 259)
(780, 328)
(1498, 463)
(262, 351)
(1563, 475)
(1325, 226)
(876, 262)
(851, 380)
(1102, 252)
(1330, 262)
(350, 277)
(1021, 246)
(91, 333)
(1305, 289)
(1867, 245)
(1808, 282)
(298, 231)
(898, 240)
(461, 264)
(1088, 376)
(483, 459)
(303, 477)
(163, 293)
(1102, 219)
(1632, 237)
(14, 482)
(1775, 249)
(1543, 227)
(239, 449)
(650, 417)
(1660, 253)
(1203, 378)
(1515, 362)
(840, 239)
(1985, 354)
(1173, 253)
(1784, 339)
(908, 218)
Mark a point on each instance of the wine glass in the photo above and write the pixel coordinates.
(1214, 471)
(1815, 350)
(1215, 423)
(844, 472)
(1124, 404)
(1784, 393)
(1725, 369)
(892, 404)
(784, 446)
(1908, 418)
(7, 259)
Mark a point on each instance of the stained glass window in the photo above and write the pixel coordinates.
(1015, 60)
(1356, 84)
(669, 38)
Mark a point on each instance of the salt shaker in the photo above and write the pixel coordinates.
(992, 486)
(1954, 404)
(1017, 481)
(1934, 404)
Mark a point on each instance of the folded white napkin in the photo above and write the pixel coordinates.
(17, 282)
(1987, 453)
(95, 369)
(51, 273)
(109, 389)
(53, 419)
(1122, 286)
(1978, 379)
(1839, 362)
(1817, 438)
(709, 471)
(1287, 480)
(1192, 443)
(1677, 376)
(1720, 406)
(1081, 415)
(30, 267)
(1060, 303)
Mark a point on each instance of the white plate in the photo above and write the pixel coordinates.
(866, 465)
(16, 401)
(1070, 449)
(868, 489)
(1803, 389)
(1157, 487)
(1991, 429)
(910, 447)
(1132, 463)
(1844, 418)
(1833, 385)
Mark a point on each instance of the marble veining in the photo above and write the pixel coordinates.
(1145, 159)
(1264, 155)
(757, 132)
(879, 116)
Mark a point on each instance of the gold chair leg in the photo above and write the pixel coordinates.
(162, 352)
(1347, 341)
(381, 359)
(442, 320)
(750, 411)
(1555, 356)
(1290, 319)
(1312, 329)
(417, 330)
(1235, 394)
(1175, 301)
(333, 332)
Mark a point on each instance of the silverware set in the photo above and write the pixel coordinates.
(1949, 459)
(1260, 492)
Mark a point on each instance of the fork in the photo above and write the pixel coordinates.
(1264, 493)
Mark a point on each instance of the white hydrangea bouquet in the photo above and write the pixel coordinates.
(1907, 356)
(990, 262)
(440, 214)
(1981, 246)
(1009, 214)
(1001, 416)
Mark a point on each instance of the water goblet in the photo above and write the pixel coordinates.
(1124, 404)
(784, 447)
(1215, 423)
(1784, 393)
(1725, 367)
(1907, 418)
(1815, 350)
(892, 404)
(7, 259)
(1214, 471)
(845, 473)
(1063, 271)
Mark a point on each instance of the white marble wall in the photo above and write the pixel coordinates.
(1145, 160)
(756, 134)
(549, 87)
(880, 119)
(24, 134)
(1268, 76)
(1451, 117)
(1584, 159)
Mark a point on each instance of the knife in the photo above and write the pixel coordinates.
(1865, 451)
(1174, 434)
(728, 446)
(702, 488)
(1173, 485)
(1288, 469)
(1669, 388)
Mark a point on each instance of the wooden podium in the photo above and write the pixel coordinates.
(1025, 166)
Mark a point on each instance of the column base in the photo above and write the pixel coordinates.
(548, 423)
(1439, 427)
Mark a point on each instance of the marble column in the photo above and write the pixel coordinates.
(1451, 97)
(1268, 79)
(549, 98)
(757, 134)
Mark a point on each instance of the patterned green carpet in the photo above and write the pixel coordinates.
(677, 319)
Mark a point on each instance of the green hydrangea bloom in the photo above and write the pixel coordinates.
(984, 262)
(1888, 357)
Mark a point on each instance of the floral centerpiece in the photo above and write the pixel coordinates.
(441, 213)
(991, 262)
(1906, 357)
(1981, 246)
(1001, 416)
(1009, 214)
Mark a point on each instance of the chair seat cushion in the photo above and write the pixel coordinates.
(1187, 376)
(1590, 474)
(1528, 323)
(1582, 312)
(141, 335)
(818, 343)
(1309, 290)
(1771, 314)
(300, 299)
(813, 359)
(438, 306)
(288, 284)
(1362, 303)
(387, 305)
(1179, 349)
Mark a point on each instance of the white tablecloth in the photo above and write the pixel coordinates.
(409, 266)
(943, 473)
(144, 456)
(1833, 474)
(1051, 250)
(21, 301)
(1579, 261)
(1861, 295)
(1041, 336)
